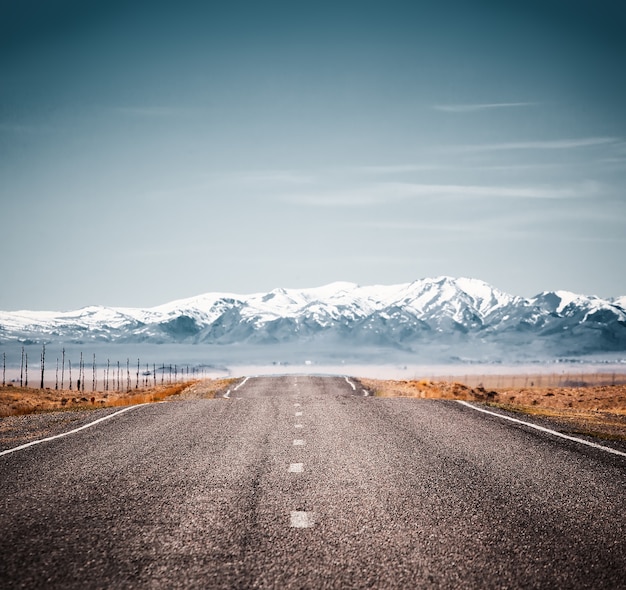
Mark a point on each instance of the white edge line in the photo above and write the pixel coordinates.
(41, 440)
(350, 384)
(542, 429)
(242, 383)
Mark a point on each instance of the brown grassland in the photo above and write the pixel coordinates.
(15, 401)
(597, 407)
(594, 410)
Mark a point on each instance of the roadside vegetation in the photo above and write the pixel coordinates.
(594, 410)
(85, 384)
(15, 400)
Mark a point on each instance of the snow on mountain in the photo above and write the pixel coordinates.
(444, 310)
(620, 302)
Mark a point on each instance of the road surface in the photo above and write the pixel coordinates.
(306, 482)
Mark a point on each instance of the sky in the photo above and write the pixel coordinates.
(153, 150)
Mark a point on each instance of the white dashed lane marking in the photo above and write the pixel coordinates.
(299, 518)
(302, 520)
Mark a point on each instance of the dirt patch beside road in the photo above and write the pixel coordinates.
(206, 389)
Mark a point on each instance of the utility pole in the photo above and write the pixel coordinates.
(81, 382)
(43, 363)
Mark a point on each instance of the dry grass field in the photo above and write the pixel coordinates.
(15, 401)
(596, 406)
(595, 410)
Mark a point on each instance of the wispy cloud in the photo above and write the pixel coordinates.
(470, 108)
(152, 111)
(275, 177)
(431, 230)
(428, 225)
(456, 166)
(394, 168)
(550, 144)
(381, 193)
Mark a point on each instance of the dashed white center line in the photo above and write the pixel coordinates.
(296, 467)
(298, 414)
(302, 520)
(298, 442)
(297, 425)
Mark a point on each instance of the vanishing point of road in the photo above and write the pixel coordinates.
(307, 482)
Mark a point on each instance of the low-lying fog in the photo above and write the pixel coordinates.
(221, 361)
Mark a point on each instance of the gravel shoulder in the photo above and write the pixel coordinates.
(23, 428)
(18, 430)
(597, 412)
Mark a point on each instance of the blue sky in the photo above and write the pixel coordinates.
(156, 150)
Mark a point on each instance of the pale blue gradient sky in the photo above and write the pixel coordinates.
(158, 151)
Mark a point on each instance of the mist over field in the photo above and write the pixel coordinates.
(236, 361)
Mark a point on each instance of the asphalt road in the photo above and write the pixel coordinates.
(304, 482)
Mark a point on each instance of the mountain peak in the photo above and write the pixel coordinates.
(442, 311)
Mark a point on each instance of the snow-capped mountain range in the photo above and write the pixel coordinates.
(441, 311)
